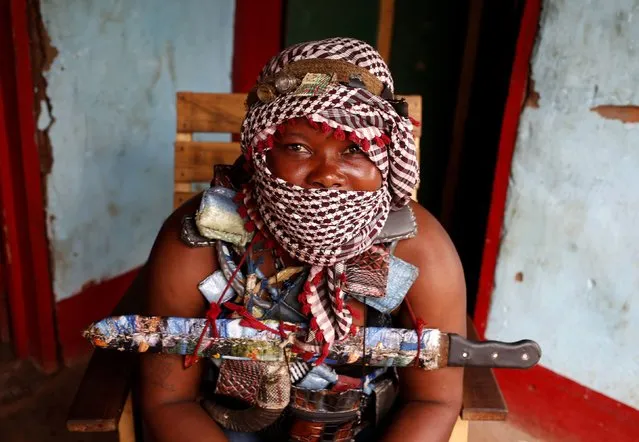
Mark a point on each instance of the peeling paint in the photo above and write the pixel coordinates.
(532, 96)
(626, 114)
(43, 54)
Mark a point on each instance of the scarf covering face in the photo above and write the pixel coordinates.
(330, 229)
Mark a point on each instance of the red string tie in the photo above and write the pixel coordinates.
(238, 198)
(323, 355)
(249, 226)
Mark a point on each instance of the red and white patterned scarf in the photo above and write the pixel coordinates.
(328, 228)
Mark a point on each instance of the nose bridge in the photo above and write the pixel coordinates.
(326, 171)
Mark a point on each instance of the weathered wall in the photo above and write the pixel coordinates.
(568, 269)
(112, 123)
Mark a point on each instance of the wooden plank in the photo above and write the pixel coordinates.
(194, 160)
(483, 400)
(385, 28)
(126, 427)
(208, 112)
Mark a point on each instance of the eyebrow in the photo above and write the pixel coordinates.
(304, 137)
(294, 134)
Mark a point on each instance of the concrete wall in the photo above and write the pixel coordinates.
(112, 123)
(568, 269)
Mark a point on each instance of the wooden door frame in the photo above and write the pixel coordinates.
(31, 300)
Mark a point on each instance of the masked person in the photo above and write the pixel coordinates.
(322, 232)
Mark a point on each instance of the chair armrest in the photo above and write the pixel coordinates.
(106, 383)
(104, 388)
(483, 400)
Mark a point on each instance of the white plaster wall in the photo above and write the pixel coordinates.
(112, 89)
(572, 216)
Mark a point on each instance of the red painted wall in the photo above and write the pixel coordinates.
(257, 37)
(29, 280)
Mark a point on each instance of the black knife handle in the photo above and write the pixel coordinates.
(496, 354)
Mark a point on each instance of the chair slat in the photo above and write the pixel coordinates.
(194, 160)
(206, 112)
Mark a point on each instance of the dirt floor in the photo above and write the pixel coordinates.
(33, 407)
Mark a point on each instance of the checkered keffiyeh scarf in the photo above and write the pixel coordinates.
(327, 228)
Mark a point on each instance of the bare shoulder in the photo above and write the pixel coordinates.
(175, 269)
(431, 246)
(439, 293)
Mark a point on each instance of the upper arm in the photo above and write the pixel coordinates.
(438, 297)
(173, 272)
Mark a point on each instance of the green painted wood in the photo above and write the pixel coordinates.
(316, 19)
(426, 54)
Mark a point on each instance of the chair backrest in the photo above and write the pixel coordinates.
(221, 113)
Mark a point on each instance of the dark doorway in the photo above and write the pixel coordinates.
(458, 56)
(468, 187)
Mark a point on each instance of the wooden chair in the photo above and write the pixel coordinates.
(105, 401)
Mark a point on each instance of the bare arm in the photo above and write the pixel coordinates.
(168, 390)
(431, 400)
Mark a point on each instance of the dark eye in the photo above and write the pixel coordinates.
(296, 147)
(354, 149)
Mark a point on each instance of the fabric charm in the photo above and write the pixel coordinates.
(401, 276)
(314, 84)
(217, 217)
(367, 274)
(213, 286)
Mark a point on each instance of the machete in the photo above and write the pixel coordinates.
(374, 346)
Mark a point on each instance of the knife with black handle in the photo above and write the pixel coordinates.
(463, 352)
(372, 346)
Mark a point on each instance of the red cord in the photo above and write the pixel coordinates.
(419, 325)
(215, 309)
(249, 320)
